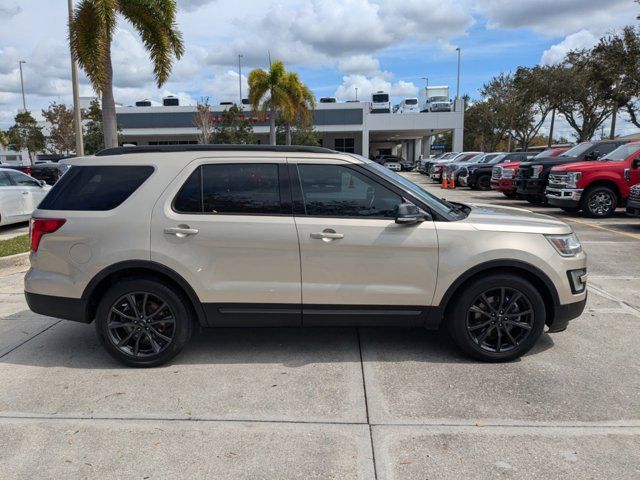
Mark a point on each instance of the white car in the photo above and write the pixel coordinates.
(20, 194)
(395, 166)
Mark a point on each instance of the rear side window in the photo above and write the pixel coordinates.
(95, 188)
(249, 189)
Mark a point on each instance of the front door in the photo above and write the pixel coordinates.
(11, 199)
(30, 189)
(227, 228)
(358, 265)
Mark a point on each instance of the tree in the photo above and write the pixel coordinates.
(581, 99)
(94, 136)
(91, 31)
(298, 111)
(233, 128)
(484, 128)
(301, 134)
(269, 92)
(61, 137)
(25, 134)
(534, 103)
(203, 120)
(4, 139)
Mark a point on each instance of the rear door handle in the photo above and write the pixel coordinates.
(327, 234)
(181, 231)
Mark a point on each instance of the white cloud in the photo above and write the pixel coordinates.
(224, 86)
(367, 85)
(575, 41)
(191, 5)
(365, 64)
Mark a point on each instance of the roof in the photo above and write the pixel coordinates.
(215, 148)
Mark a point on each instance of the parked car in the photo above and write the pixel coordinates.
(424, 165)
(533, 176)
(49, 172)
(597, 187)
(633, 204)
(395, 166)
(20, 194)
(149, 242)
(452, 169)
(477, 175)
(404, 163)
(502, 176)
(437, 168)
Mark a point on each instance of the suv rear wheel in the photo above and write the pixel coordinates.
(143, 323)
(497, 318)
(599, 202)
(484, 182)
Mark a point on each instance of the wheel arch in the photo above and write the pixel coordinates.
(605, 182)
(536, 276)
(132, 268)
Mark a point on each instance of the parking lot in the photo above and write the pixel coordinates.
(335, 403)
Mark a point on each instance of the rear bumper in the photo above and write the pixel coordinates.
(564, 197)
(530, 186)
(59, 307)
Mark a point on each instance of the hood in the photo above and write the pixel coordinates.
(509, 219)
(582, 166)
(549, 161)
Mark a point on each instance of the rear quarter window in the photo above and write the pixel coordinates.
(95, 188)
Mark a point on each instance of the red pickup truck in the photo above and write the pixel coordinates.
(596, 187)
(502, 176)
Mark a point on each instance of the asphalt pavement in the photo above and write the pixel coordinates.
(334, 403)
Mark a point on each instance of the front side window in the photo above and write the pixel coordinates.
(231, 189)
(23, 180)
(339, 191)
(4, 180)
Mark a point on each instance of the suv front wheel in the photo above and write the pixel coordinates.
(599, 202)
(143, 323)
(497, 318)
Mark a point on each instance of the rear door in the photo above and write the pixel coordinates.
(358, 265)
(11, 202)
(226, 226)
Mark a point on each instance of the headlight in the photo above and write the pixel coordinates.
(508, 172)
(536, 170)
(573, 178)
(566, 245)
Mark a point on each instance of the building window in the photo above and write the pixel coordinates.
(345, 145)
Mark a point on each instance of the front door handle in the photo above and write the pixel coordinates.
(25, 193)
(327, 234)
(181, 231)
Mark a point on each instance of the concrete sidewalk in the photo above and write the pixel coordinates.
(331, 403)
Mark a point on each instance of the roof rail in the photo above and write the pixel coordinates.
(212, 148)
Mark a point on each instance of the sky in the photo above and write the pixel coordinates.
(336, 46)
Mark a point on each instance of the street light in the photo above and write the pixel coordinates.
(24, 102)
(356, 94)
(240, 77)
(77, 117)
(458, 83)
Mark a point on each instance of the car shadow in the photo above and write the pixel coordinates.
(75, 345)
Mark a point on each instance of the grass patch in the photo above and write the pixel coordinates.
(14, 245)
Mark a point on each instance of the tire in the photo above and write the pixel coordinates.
(599, 202)
(470, 318)
(509, 194)
(148, 338)
(483, 183)
(536, 199)
(570, 209)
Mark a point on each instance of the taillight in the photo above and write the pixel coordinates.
(40, 227)
(27, 171)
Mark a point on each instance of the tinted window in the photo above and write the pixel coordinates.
(231, 188)
(337, 191)
(411, 101)
(577, 150)
(4, 180)
(622, 153)
(23, 180)
(605, 148)
(379, 98)
(95, 188)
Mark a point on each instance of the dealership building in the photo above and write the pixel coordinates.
(348, 126)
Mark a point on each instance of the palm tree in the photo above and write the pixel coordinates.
(268, 91)
(4, 139)
(91, 30)
(301, 102)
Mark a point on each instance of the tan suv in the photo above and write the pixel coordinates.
(148, 241)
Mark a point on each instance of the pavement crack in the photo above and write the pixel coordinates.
(366, 405)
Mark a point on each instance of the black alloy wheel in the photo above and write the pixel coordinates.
(500, 319)
(143, 322)
(484, 182)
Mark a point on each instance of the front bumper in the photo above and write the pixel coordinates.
(565, 313)
(564, 197)
(530, 186)
(503, 184)
(633, 208)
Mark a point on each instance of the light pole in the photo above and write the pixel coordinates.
(77, 117)
(356, 94)
(24, 102)
(240, 77)
(458, 82)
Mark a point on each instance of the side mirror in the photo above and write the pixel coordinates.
(408, 214)
(42, 183)
(592, 155)
(635, 163)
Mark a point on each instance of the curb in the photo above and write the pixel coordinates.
(14, 261)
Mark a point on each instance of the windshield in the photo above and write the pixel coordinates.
(545, 153)
(442, 206)
(621, 153)
(439, 99)
(382, 97)
(496, 158)
(577, 150)
(411, 101)
(487, 157)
